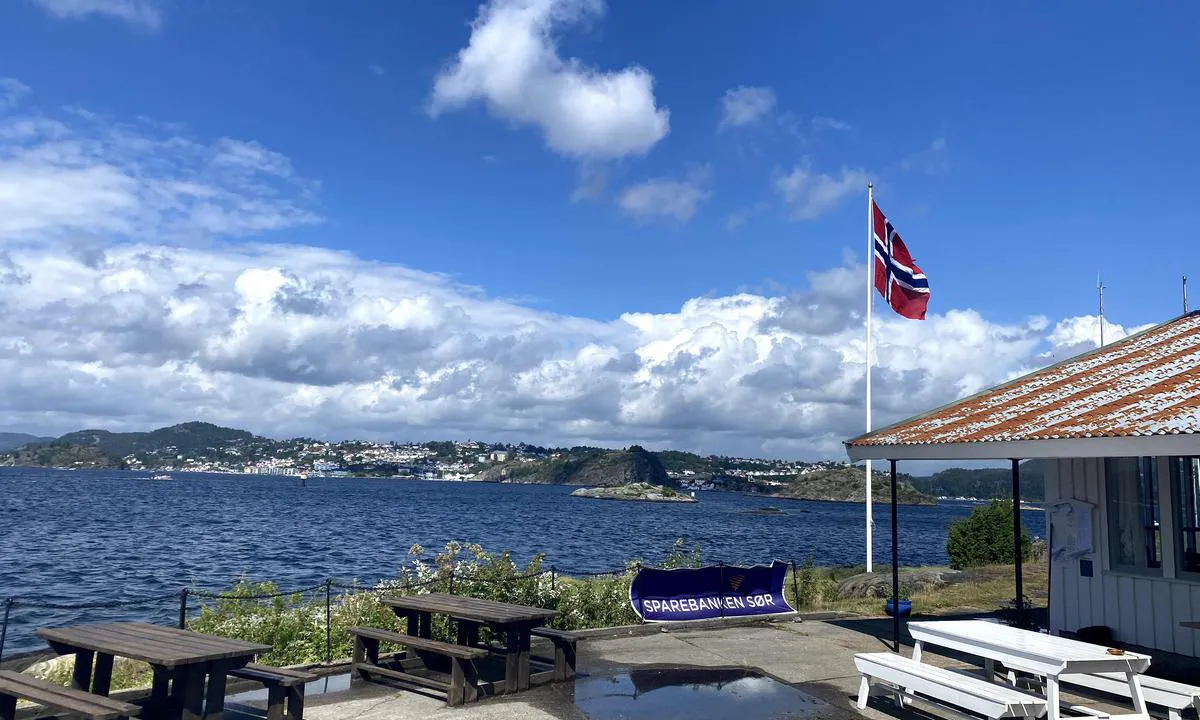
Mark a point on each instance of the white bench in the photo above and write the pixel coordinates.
(913, 679)
(1175, 697)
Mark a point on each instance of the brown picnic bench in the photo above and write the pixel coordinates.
(190, 668)
(285, 688)
(15, 686)
(454, 668)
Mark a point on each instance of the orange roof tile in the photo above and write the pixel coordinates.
(1145, 384)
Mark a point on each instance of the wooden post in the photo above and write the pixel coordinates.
(192, 694)
(895, 565)
(8, 707)
(457, 681)
(160, 690)
(295, 702)
(102, 677)
(276, 701)
(1017, 559)
(81, 679)
(359, 656)
(214, 698)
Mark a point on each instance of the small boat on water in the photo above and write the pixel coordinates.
(160, 476)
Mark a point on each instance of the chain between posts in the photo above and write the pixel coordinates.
(328, 585)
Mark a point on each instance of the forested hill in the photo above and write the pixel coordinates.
(164, 447)
(849, 484)
(985, 482)
(11, 441)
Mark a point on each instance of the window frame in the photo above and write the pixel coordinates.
(1161, 571)
(1176, 527)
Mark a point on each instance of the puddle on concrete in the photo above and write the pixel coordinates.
(694, 693)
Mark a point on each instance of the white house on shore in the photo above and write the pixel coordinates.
(1118, 429)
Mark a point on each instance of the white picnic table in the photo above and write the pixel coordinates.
(1047, 656)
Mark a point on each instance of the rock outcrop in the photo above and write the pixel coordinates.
(865, 585)
(642, 492)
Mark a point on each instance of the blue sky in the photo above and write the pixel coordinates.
(1019, 149)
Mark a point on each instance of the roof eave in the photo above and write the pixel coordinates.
(1129, 446)
(1015, 381)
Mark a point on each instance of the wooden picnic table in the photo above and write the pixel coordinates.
(1049, 656)
(184, 663)
(515, 622)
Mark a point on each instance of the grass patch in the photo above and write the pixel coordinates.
(987, 589)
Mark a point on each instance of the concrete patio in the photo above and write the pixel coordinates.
(807, 667)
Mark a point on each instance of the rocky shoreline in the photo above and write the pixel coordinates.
(638, 492)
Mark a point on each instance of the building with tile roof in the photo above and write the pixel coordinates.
(1118, 430)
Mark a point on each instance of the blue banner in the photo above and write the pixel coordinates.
(709, 592)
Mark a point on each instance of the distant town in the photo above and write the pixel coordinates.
(454, 461)
(207, 448)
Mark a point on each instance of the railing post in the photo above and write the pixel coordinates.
(553, 580)
(721, 589)
(183, 596)
(795, 586)
(451, 581)
(641, 605)
(328, 621)
(8, 604)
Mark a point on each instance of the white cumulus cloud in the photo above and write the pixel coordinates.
(933, 160)
(1075, 335)
(88, 175)
(12, 92)
(139, 13)
(744, 105)
(290, 340)
(667, 197)
(808, 193)
(511, 63)
(108, 325)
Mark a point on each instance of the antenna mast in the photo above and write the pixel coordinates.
(1100, 289)
(1185, 295)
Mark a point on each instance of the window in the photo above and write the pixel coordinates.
(1134, 536)
(1185, 489)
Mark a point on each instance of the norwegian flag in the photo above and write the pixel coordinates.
(897, 277)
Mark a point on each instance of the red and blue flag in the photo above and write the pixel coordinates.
(897, 277)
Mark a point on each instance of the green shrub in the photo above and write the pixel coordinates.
(294, 624)
(680, 557)
(986, 537)
(811, 586)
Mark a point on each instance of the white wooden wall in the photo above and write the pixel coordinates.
(1141, 610)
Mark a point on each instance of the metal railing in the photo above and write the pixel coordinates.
(183, 597)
